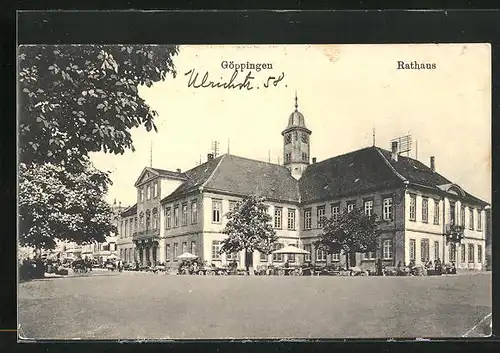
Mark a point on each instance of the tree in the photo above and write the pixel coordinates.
(351, 232)
(249, 228)
(55, 204)
(76, 99)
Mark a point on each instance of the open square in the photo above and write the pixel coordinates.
(108, 305)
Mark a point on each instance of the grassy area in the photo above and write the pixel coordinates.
(133, 305)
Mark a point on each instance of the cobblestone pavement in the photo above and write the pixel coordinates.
(112, 305)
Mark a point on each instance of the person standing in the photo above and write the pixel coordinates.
(379, 268)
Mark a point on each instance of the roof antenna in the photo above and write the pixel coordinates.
(373, 141)
(228, 145)
(151, 154)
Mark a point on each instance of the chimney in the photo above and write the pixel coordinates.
(394, 154)
(178, 170)
(210, 156)
(433, 164)
(314, 160)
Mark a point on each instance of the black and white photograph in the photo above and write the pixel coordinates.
(171, 192)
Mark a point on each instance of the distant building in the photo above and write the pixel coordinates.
(185, 211)
(488, 238)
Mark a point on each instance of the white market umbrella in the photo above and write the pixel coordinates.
(187, 256)
(290, 249)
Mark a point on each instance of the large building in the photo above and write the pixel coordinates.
(185, 211)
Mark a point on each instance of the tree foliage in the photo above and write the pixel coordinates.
(352, 232)
(55, 204)
(249, 228)
(83, 98)
(74, 100)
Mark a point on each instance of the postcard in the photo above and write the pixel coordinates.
(254, 191)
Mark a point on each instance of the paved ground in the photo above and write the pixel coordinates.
(136, 305)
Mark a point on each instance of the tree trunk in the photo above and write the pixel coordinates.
(249, 262)
(347, 259)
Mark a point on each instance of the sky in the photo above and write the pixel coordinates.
(345, 92)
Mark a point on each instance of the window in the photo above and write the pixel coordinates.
(413, 207)
(215, 250)
(336, 256)
(141, 220)
(193, 247)
(413, 250)
(369, 255)
(235, 256)
(176, 249)
(131, 227)
(155, 218)
(436, 212)
(452, 252)
(436, 250)
(452, 213)
(121, 229)
(305, 137)
(167, 253)
(462, 253)
(184, 214)
(320, 214)
(141, 194)
(304, 156)
(184, 247)
(479, 253)
(288, 139)
(387, 208)
(350, 206)
(121, 253)
(471, 253)
(387, 249)
(148, 219)
(149, 192)
(320, 255)
(176, 215)
(424, 250)
(307, 219)
(479, 221)
(471, 218)
(263, 257)
(216, 211)
(291, 219)
(278, 215)
(307, 247)
(155, 190)
(168, 218)
(135, 224)
(278, 257)
(425, 210)
(335, 211)
(462, 215)
(287, 157)
(295, 136)
(194, 212)
(368, 207)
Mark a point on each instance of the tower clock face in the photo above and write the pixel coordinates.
(305, 138)
(288, 138)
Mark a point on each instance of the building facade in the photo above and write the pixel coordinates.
(419, 209)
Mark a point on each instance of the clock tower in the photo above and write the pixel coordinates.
(296, 143)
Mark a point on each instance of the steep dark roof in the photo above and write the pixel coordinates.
(355, 172)
(251, 177)
(195, 178)
(418, 173)
(366, 170)
(242, 176)
(132, 210)
(362, 171)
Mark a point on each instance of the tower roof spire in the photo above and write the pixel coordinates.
(296, 102)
